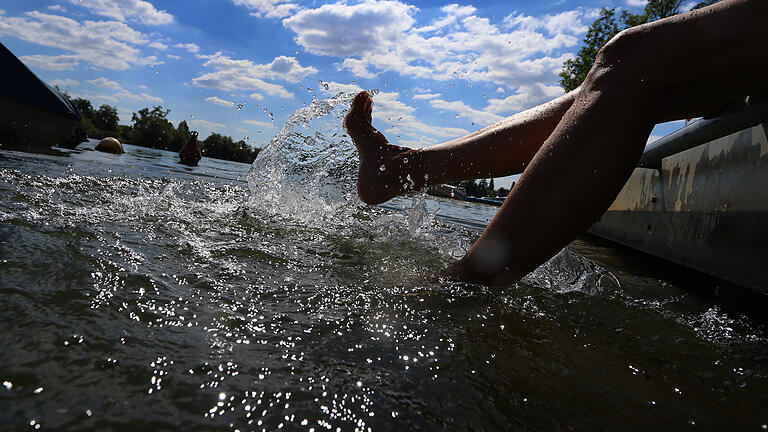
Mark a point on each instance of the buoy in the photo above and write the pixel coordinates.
(110, 145)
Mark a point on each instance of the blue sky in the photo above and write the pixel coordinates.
(443, 69)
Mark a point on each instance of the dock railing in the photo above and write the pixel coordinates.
(752, 112)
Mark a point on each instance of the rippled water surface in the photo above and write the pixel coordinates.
(139, 294)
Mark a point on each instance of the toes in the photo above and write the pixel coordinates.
(368, 109)
(359, 117)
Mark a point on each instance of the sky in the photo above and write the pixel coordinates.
(241, 67)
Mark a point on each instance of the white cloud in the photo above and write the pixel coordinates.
(257, 96)
(207, 124)
(453, 13)
(388, 108)
(158, 45)
(54, 63)
(143, 97)
(122, 93)
(105, 44)
(263, 124)
(106, 83)
(57, 8)
(335, 88)
(218, 101)
(519, 54)
(268, 8)
(242, 75)
(193, 48)
(636, 3)
(63, 83)
(171, 56)
(136, 10)
(425, 96)
(343, 30)
(525, 97)
(461, 109)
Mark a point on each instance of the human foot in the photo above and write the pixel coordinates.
(386, 170)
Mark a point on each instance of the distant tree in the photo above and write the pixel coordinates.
(84, 106)
(705, 4)
(502, 192)
(491, 191)
(181, 136)
(658, 9)
(151, 128)
(224, 147)
(603, 29)
(105, 118)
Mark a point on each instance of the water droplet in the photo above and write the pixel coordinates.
(239, 106)
(405, 160)
(382, 168)
(310, 89)
(457, 115)
(327, 87)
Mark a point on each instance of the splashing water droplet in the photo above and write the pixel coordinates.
(239, 107)
(405, 160)
(382, 168)
(457, 116)
(327, 87)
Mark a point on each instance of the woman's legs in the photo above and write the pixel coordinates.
(503, 149)
(646, 74)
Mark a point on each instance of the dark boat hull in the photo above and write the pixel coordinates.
(32, 114)
(705, 208)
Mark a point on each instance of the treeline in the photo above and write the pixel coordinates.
(608, 25)
(483, 188)
(151, 128)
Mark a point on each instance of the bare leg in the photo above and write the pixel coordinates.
(678, 67)
(503, 149)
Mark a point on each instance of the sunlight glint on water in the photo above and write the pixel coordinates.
(140, 294)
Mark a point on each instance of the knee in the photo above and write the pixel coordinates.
(620, 65)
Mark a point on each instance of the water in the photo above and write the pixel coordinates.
(137, 293)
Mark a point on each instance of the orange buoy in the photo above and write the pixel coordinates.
(110, 145)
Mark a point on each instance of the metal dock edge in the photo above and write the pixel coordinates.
(700, 199)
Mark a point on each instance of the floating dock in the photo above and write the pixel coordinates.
(699, 198)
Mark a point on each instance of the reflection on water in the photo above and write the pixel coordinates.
(138, 293)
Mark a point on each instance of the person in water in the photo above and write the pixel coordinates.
(190, 154)
(577, 151)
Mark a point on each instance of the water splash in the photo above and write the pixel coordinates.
(568, 272)
(308, 171)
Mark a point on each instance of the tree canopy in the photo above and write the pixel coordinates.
(608, 25)
(151, 128)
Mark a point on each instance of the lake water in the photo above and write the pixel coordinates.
(140, 294)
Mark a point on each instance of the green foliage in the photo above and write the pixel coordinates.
(658, 9)
(84, 106)
(224, 147)
(105, 118)
(705, 4)
(151, 128)
(604, 28)
(484, 188)
(180, 137)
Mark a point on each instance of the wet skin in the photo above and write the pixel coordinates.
(577, 151)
